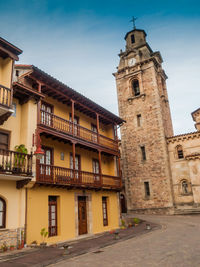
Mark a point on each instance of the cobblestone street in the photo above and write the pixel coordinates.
(176, 244)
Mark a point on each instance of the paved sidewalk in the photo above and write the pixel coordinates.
(176, 244)
(50, 255)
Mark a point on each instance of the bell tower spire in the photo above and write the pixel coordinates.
(133, 20)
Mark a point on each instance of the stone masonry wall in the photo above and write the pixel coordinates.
(10, 236)
(150, 134)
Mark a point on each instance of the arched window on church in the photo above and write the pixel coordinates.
(2, 213)
(184, 187)
(136, 87)
(179, 151)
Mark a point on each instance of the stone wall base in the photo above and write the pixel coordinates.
(11, 236)
(164, 211)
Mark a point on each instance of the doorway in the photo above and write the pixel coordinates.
(82, 215)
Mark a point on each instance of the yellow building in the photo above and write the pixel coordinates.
(15, 167)
(76, 177)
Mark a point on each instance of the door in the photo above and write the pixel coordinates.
(46, 114)
(123, 204)
(77, 165)
(82, 215)
(46, 163)
(95, 165)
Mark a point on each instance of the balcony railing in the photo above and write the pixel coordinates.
(65, 176)
(5, 96)
(65, 126)
(15, 163)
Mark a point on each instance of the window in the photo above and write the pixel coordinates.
(143, 152)
(105, 211)
(184, 187)
(17, 73)
(95, 166)
(52, 216)
(147, 189)
(2, 213)
(77, 165)
(136, 88)
(46, 114)
(4, 140)
(179, 151)
(132, 39)
(139, 120)
(46, 162)
(62, 156)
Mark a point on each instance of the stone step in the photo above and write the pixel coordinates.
(185, 211)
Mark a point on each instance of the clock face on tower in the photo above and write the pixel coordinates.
(131, 61)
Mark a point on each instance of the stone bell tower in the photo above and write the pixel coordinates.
(143, 103)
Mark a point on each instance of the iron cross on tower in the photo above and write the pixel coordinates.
(133, 20)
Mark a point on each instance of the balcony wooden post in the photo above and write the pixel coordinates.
(97, 117)
(100, 171)
(115, 132)
(72, 118)
(39, 104)
(74, 158)
(119, 170)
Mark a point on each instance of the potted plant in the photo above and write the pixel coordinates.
(4, 247)
(130, 225)
(19, 246)
(12, 247)
(22, 238)
(43, 234)
(123, 224)
(19, 158)
(136, 221)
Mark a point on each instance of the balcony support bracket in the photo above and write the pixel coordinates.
(21, 183)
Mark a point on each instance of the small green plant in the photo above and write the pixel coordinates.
(4, 247)
(123, 223)
(136, 220)
(43, 234)
(20, 158)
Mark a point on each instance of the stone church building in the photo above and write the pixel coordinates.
(161, 171)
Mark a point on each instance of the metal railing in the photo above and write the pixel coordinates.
(65, 126)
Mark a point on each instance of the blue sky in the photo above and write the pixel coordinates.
(78, 42)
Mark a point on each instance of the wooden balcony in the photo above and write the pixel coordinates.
(48, 174)
(5, 103)
(5, 96)
(13, 163)
(58, 124)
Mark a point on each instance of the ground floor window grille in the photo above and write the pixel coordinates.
(52, 216)
(105, 211)
(2, 213)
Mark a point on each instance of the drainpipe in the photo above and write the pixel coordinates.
(25, 226)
